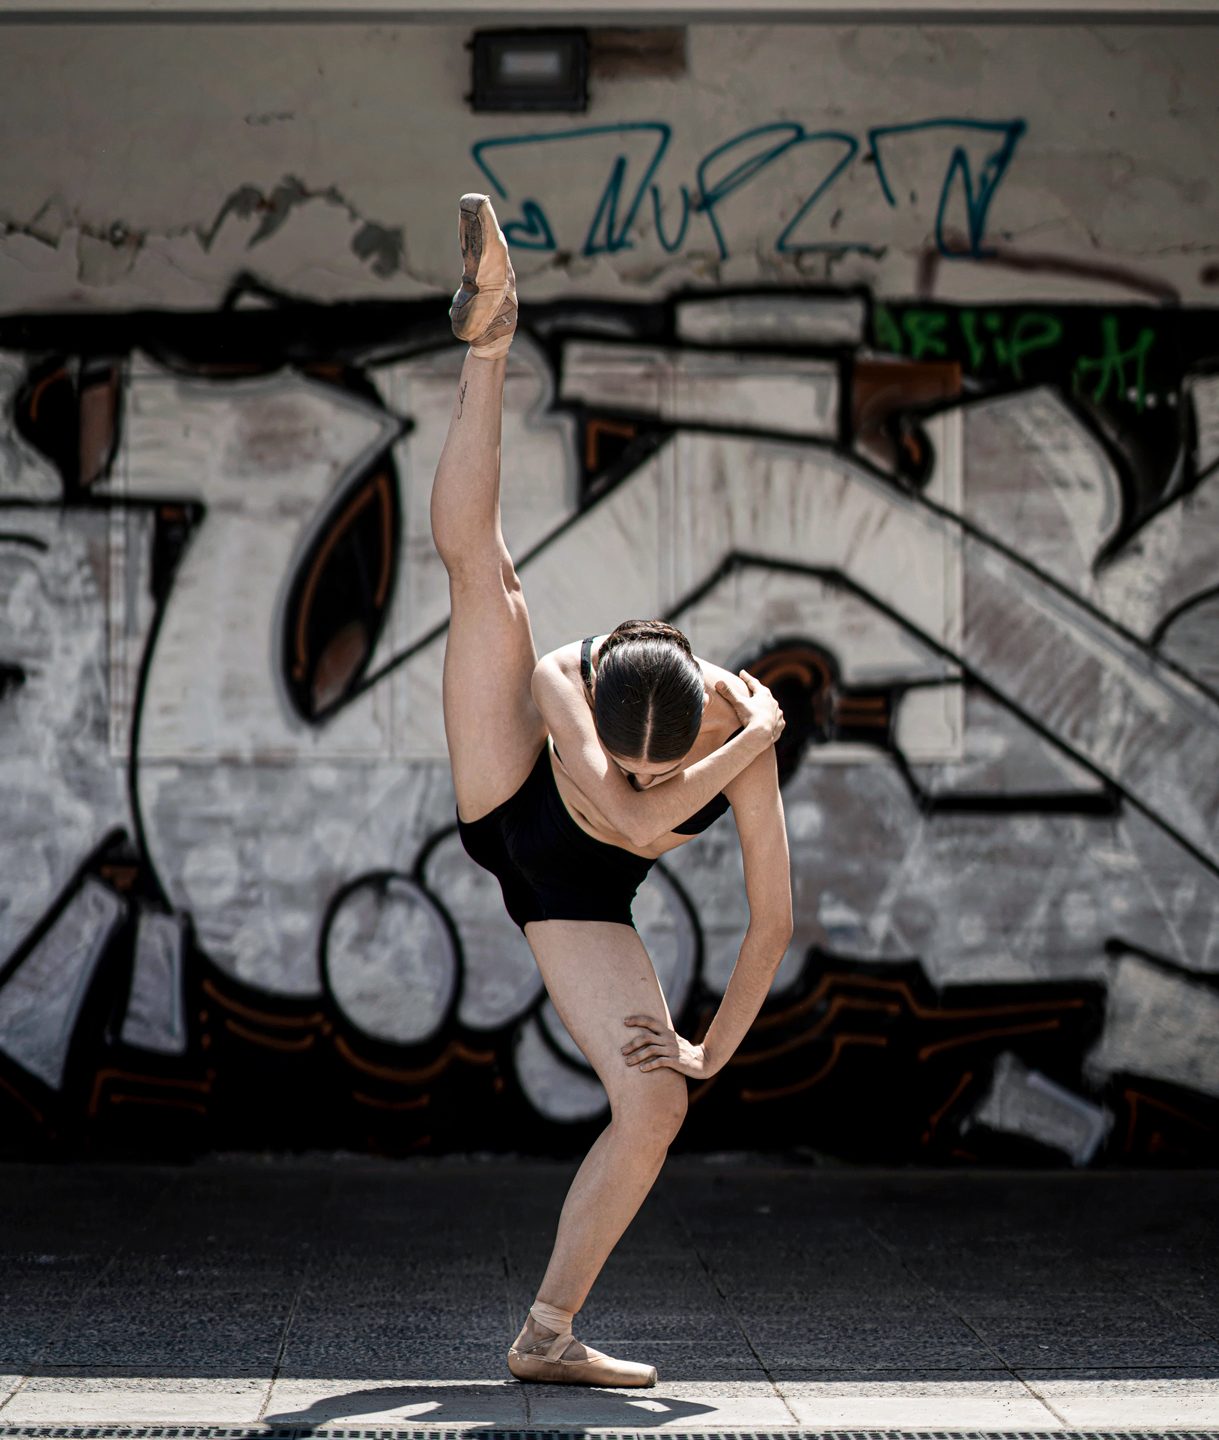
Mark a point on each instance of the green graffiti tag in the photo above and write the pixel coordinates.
(984, 341)
(1092, 356)
(1109, 368)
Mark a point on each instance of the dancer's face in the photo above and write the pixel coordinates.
(645, 773)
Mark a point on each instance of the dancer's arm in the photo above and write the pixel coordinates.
(643, 816)
(759, 818)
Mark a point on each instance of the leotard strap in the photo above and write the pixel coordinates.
(586, 663)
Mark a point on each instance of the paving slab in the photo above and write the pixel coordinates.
(1127, 1399)
(111, 1399)
(977, 1400)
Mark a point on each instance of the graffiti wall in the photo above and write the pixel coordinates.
(800, 386)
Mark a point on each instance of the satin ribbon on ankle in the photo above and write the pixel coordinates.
(552, 1317)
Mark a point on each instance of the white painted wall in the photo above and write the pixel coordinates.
(146, 157)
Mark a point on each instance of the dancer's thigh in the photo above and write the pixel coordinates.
(493, 728)
(597, 973)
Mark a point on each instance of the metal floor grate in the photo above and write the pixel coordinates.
(345, 1432)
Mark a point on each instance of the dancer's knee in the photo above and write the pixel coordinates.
(474, 566)
(653, 1111)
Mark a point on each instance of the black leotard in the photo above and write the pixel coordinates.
(547, 866)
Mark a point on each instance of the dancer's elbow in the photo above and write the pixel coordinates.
(772, 933)
(639, 833)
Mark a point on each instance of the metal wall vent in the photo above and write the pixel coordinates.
(330, 1432)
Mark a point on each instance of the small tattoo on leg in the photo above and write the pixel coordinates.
(461, 398)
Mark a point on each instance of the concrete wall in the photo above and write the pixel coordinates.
(878, 357)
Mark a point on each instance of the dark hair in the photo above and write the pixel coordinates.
(648, 702)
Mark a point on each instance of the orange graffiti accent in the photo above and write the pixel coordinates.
(419, 1103)
(987, 1035)
(804, 665)
(260, 1016)
(883, 389)
(379, 489)
(1135, 1099)
(21, 1100)
(121, 877)
(36, 394)
(455, 1050)
(155, 1082)
(122, 1098)
(797, 1042)
(783, 1091)
(301, 1042)
(863, 710)
(939, 1114)
(592, 436)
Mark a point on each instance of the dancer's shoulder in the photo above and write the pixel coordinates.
(565, 661)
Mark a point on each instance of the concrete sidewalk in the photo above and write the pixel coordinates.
(345, 1291)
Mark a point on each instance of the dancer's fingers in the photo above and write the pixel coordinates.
(645, 1022)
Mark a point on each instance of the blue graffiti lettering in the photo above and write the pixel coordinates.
(977, 197)
(615, 214)
(980, 156)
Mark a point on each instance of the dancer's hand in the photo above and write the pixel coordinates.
(657, 1045)
(757, 710)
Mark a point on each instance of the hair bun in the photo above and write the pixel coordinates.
(645, 630)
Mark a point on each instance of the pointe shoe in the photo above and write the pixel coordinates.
(544, 1361)
(483, 312)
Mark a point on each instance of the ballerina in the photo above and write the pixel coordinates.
(573, 775)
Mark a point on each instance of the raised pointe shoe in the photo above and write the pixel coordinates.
(543, 1361)
(483, 311)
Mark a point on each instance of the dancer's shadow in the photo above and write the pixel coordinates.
(495, 1404)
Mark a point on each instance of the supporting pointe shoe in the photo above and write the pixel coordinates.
(483, 311)
(544, 1361)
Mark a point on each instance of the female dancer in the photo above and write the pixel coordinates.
(573, 774)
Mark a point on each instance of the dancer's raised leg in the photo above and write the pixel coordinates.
(493, 728)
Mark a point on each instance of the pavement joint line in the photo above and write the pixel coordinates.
(892, 1250)
(306, 1271)
(680, 1221)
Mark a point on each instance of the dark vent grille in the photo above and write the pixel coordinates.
(329, 1432)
